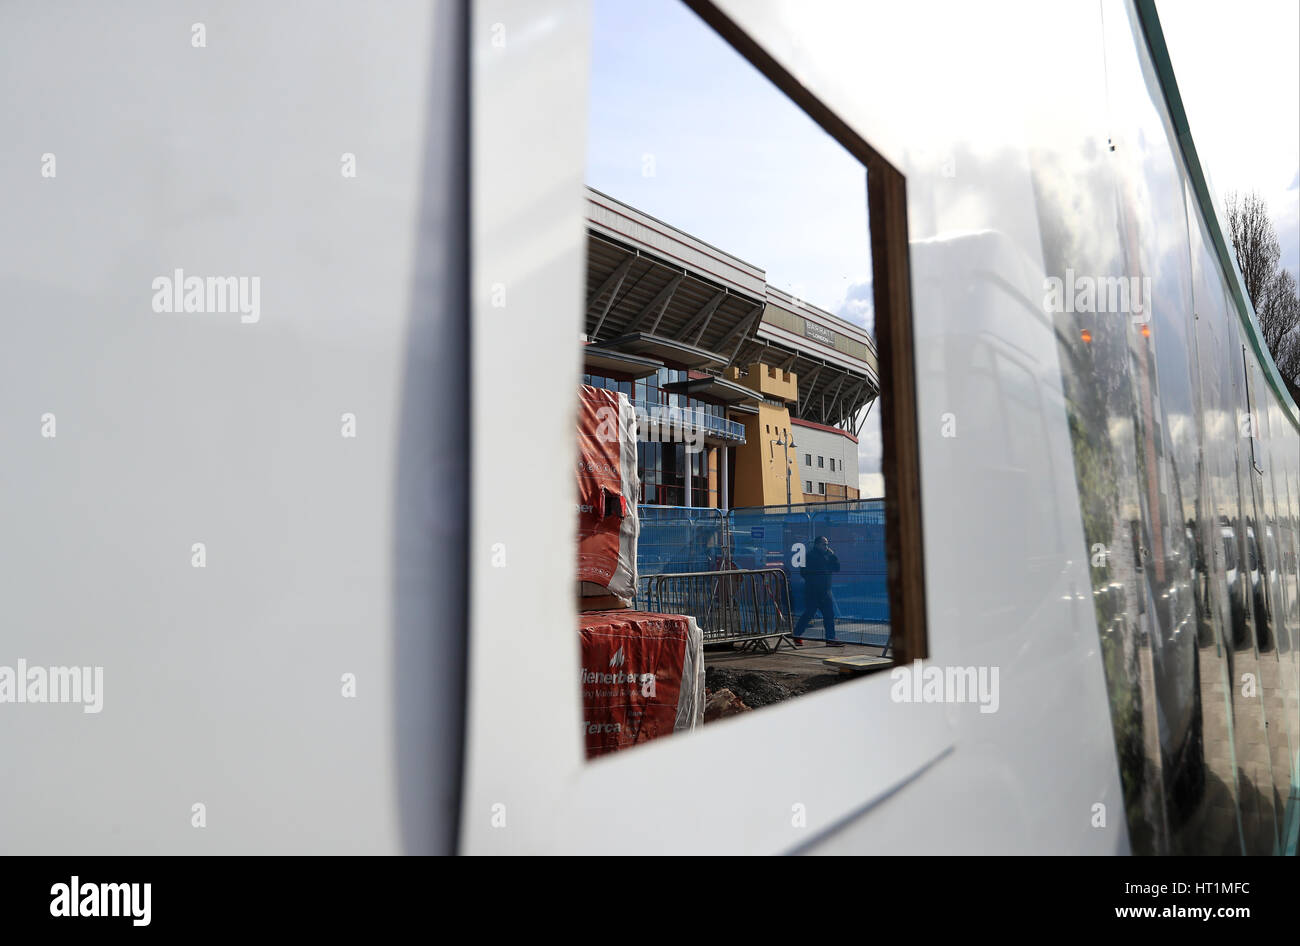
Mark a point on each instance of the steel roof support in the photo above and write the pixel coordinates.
(846, 418)
(702, 318)
(857, 432)
(615, 279)
(660, 301)
(833, 397)
(744, 328)
(811, 382)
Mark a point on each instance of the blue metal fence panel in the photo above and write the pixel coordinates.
(858, 537)
(678, 539)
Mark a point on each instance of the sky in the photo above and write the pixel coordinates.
(1244, 116)
(685, 129)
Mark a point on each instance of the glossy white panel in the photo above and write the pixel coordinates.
(831, 753)
(969, 124)
(325, 555)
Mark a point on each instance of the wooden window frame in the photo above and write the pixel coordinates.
(892, 296)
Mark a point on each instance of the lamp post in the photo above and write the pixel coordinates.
(785, 449)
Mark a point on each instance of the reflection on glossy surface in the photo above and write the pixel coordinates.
(1075, 172)
(1081, 439)
(1185, 600)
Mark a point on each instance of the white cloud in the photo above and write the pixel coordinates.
(1238, 70)
(871, 485)
(858, 305)
(870, 446)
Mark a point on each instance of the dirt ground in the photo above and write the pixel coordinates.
(757, 680)
(758, 688)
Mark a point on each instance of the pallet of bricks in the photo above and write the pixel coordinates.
(642, 673)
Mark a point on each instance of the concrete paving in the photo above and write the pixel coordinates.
(804, 661)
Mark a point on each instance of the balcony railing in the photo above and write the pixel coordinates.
(691, 418)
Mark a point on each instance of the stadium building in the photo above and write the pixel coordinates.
(747, 396)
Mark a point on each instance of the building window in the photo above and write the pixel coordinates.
(821, 462)
(807, 460)
(821, 488)
(807, 486)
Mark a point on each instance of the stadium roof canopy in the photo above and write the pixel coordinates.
(657, 292)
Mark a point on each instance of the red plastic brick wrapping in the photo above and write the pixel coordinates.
(642, 677)
(608, 489)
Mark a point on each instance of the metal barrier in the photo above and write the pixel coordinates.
(750, 606)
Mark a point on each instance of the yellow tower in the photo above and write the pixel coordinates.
(766, 464)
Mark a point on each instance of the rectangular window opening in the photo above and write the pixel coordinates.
(705, 325)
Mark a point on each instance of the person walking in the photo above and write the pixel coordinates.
(822, 563)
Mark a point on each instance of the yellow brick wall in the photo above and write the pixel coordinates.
(761, 464)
